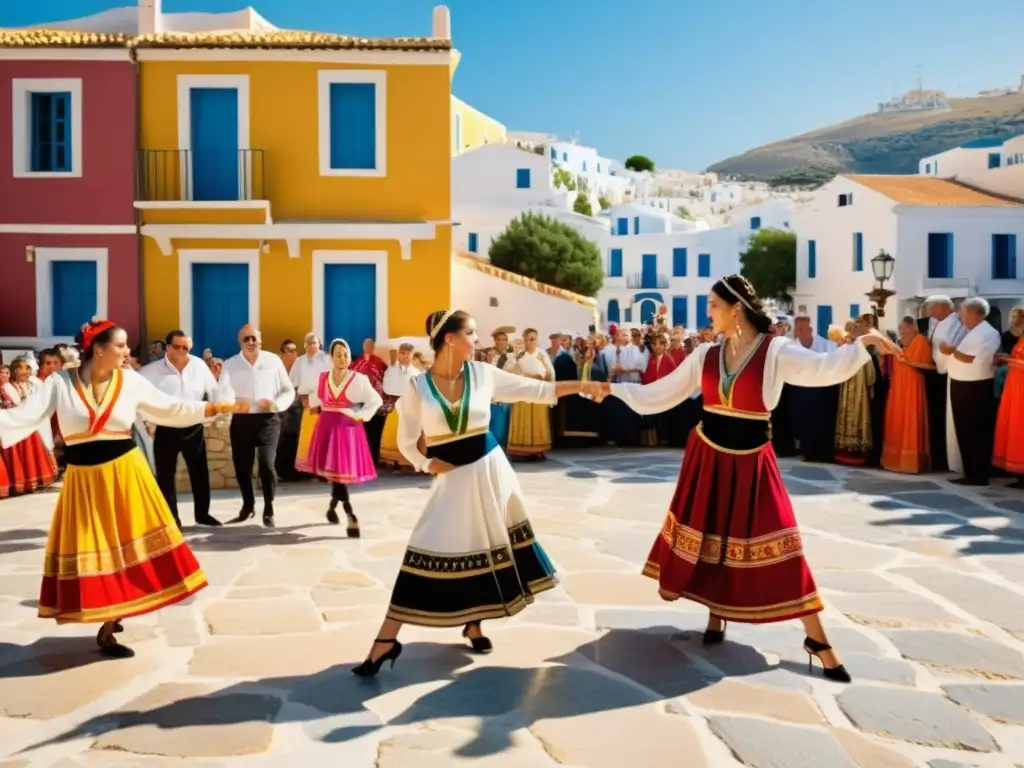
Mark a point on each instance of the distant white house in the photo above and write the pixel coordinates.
(947, 238)
(600, 172)
(974, 156)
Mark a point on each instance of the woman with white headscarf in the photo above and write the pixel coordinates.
(338, 450)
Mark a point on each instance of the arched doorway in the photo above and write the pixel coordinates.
(648, 309)
(613, 310)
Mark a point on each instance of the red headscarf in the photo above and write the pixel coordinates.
(94, 329)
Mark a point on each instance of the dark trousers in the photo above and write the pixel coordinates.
(374, 432)
(288, 443)
(974, 416)
(254, 436)
(339, 492)
(190, 442)
(935, 394)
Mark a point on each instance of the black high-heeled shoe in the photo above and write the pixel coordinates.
(814, 648)
(714, 636)
(370, 668)
(480, 644)
(245, 513)
(112, 649)
(332, 513)
(352, 529)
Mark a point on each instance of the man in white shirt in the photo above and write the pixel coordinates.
(972, 398)
(257, 377)
(186, 377)
(943, 325)
(305, 376)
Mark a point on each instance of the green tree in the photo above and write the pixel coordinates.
(604, 202)
(582, 204)
(769, 263)
(639, 163)
(563, 179)
(537, 246)
(684, 213)
(540, 149)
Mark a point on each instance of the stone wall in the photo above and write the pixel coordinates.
(218, 457)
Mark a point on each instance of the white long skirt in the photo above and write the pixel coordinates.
(472, 555)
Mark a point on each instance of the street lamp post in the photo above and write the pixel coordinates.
(882, 266)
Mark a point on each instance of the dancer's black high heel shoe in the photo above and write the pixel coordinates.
(353, 522)
(480, 644)
(814, 648)
(370, 668)
(714, 636)
(245, 513)
(110, 648)
(332, 513)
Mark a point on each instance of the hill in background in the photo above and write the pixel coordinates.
(891, 142)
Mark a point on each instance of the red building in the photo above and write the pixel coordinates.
(69, 245)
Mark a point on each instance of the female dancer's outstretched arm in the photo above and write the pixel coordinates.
(17, 424)
(803, 368)
(665, 394)
(509, 388)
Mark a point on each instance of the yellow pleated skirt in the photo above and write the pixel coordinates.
(529, 431)
(306, 427)
(113, 550)
(389, 442)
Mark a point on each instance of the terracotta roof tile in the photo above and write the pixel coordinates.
(930, 191)
(58, 38)
(482, 265)
(289, 38)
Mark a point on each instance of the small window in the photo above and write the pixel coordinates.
(1004, 257)
(623, 226)
(598, 167)
(523, 178)
(678, 262)
(636, 225)
(615, 262)
(928, 168)
(812, 259)
(51, 133)
(554, 154)
(755, 222)
(995, 159)
(845, 200)
(704, 265)
(858, 252)
(940, 255)
(855, 311)
(353, 126)
(473, 242)
(584, 166)
(565, 157)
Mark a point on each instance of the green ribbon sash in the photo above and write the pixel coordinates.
(458, 419)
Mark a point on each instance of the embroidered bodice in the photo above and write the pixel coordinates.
(424, 410)
(740, 393)
(354, 395)
(82, 419)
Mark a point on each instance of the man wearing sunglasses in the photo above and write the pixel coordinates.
(259, 378)
(182, 375)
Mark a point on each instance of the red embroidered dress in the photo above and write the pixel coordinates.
(730, 540)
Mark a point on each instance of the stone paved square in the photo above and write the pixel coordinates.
(923, 582)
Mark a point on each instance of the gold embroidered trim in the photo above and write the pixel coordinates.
(736, 413)
(192, 583)
(731, 451)
(691, 545)
(451, 437)
(128, 555)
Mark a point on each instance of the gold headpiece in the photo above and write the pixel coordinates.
(440, 323)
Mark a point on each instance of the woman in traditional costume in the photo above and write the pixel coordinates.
(472, 556)
(1008, 447)
(730, 540)
(530, 422)
(38, 467)
(905, 445)
(113, 550)
(339, 451)
(854, 435)
(395, 380)
(6, 484)
(655, 429)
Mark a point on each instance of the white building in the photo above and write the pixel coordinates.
(947, 238)
(601, 173)
(974, 156)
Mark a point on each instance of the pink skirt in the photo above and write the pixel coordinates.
(339, 451)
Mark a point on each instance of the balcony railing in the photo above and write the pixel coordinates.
(180, 175)
(639, 280)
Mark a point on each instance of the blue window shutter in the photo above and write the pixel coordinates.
(554, 154)
(473, 242)
(565, 157)
(1013, 257)
(353, 126)
(613, 310)
(623, 224)
(680, 310)
(636, 225)
(702, 311)
(755, 222)
(678, 262)
(949, 255)
(704, 265)
(615, 263)
(858, 252)
(50, 132)
(584, 165)
(995, 257)
(523, 178)
(854, 311)
(629, 315)
(824, 320)
(994, 159)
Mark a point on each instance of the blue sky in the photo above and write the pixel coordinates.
(687, 82)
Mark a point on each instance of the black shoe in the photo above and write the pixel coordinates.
(118, 627)
(112, 649)
(480, 644)
(332, 513)
(370, 668)
(245, 513)
(352, 528)
(836, 674)
(714, 636)
(209, 520)
(968, 482)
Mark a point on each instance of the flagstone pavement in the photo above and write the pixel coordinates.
(924, 583)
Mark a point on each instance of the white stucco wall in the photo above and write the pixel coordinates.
(957, 161)
(487, 176)
(475, 292)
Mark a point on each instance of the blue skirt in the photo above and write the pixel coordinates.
(500, 416)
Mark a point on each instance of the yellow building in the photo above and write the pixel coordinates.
(471, 128)
(298, 181)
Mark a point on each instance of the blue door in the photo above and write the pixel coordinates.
(73, 295)
(680, 311)
(824, 320)
(649, 276)
(647, 311)
(220, 306)
(350, 303)
(702, 312)
(613, 310)
(214, 143)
